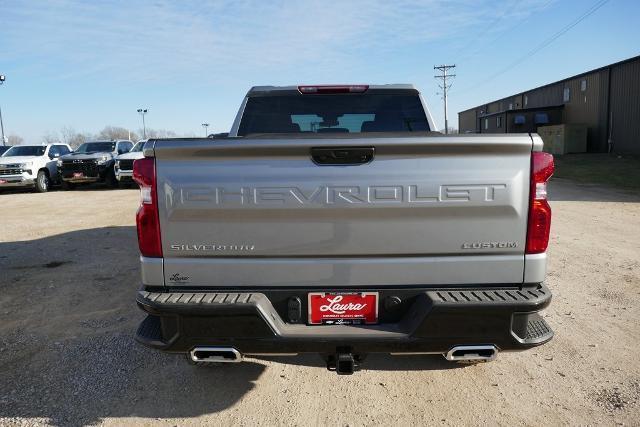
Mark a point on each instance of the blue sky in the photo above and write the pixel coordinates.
(90, 64)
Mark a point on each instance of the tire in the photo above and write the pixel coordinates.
(66, 185)
(42, 182)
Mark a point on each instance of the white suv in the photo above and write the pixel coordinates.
(31, 166)
(124, 163)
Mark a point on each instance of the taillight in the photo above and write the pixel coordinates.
(319, 89)
(539, 224)
(147, 220)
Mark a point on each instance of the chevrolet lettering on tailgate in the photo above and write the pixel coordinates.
(353, 194)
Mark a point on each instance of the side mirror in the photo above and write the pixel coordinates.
(54, 156)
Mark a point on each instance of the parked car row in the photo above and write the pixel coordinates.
(43, 166)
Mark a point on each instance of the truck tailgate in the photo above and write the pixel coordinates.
(427, 210)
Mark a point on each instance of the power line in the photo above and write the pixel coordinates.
(518, 24)
(553, 38)
(445, 87)
(474, 40)
(544, 43)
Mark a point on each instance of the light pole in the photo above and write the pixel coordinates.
(4, 141)
(205, 126)
(142, 112)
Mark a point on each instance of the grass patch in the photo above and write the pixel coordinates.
(595, 168)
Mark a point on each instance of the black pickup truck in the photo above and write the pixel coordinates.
(92, 162)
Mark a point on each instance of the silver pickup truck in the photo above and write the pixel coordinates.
(334, 220)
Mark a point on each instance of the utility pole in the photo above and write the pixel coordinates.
(444, 86)
(4, 141)
(142, 112)
(205, 126)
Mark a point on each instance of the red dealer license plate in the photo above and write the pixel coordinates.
(78, 174)
(355, 308)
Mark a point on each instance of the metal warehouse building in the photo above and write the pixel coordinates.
(605, 102)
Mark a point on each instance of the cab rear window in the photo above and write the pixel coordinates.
(335, 113)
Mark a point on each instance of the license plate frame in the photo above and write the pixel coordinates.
(342, 308)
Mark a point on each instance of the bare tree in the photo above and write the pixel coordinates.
(160, 133)
(68, 135)
(51, 138)
(116, 132)
(73, 138)
(15, 140)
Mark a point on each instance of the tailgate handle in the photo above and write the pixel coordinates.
(342, 155)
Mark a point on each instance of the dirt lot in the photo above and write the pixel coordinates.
(69, 271)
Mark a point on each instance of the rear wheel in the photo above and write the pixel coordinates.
(42, 182)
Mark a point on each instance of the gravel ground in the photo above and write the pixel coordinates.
(68, 275)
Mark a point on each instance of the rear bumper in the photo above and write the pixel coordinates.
(427, 321)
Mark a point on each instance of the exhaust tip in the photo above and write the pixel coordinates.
(472, 353)
(215, 355)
